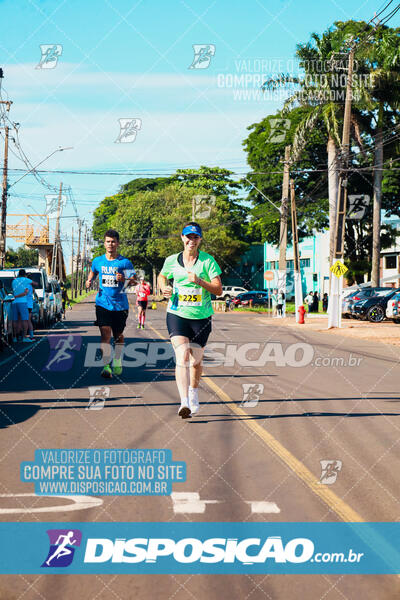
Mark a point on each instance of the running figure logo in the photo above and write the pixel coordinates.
(357, 206)
(202, 56)
(50, 54)
(52, 204)
(62, 547)
(98, 396)
(62, 348)
(278, 130)
(128, 129)
(251, 394)
(329, 471)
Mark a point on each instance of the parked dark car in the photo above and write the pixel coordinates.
(374, 307)
(357, 295)
(257, 298)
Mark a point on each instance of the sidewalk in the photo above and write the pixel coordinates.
(386, 332)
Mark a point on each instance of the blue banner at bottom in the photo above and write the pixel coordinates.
(206, 548)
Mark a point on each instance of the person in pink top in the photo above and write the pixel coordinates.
(143, 291)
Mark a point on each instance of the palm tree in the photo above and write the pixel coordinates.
(382, 58)
(317, 91)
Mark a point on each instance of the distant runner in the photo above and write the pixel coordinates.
(115, 273)
(196, 276)
(143, 292)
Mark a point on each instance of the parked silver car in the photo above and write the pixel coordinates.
(393, 308)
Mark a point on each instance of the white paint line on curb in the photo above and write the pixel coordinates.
(78, 503)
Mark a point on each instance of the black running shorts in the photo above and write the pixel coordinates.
(116, 319)
(197, 330)
(143, 304)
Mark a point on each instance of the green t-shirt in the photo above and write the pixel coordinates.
(189, 300)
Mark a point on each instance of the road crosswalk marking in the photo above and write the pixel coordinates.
(189, 502)
(263, 507)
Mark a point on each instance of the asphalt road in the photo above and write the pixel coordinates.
(343, 405)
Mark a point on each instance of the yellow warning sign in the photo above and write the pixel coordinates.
(339, 269)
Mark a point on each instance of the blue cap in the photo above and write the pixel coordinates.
(192, 229)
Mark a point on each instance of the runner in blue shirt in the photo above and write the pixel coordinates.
(115, 273)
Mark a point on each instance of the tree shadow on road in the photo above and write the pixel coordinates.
(12, 414)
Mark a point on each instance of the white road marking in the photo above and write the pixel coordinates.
(263, 507)
(189, 502)
(78, 503)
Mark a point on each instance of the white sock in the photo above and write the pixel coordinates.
(193, 391)
(184, 401)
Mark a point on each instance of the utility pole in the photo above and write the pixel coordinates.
(84, 259)
(72, 265)
(78, 256)
(376, 219)
(298, 291)
(54, 258)
(283, 224)
(335, 296)
(3, 225)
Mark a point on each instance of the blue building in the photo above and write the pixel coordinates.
(314, 264)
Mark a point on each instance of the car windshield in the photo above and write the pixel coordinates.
(383, 293)
(36, 277)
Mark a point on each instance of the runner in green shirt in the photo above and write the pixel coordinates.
(196, 275)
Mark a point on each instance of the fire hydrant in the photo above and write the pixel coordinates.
(301, 312)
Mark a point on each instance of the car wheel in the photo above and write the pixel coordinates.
(396, 321)
(376, 314)
(346, 316)
(226, 297)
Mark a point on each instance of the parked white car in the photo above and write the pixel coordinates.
(231, 291)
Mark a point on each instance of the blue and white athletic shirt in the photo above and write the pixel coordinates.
(111, 294)
(19, 285)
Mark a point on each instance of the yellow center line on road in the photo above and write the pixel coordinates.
(336, 504)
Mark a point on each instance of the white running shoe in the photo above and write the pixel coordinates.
(194, 404)
(184, 410)
(28, 339)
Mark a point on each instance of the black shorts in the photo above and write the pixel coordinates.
(116, 319)
(143, 304)
(197, 330)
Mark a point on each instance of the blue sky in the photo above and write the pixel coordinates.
(130, 59)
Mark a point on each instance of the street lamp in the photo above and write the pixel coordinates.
(42, 161)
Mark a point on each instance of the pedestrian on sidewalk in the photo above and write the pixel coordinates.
(309, 300)
(315, 302)
(279, 303)
(274, 300)
(20, 313)
(325, 302)
(29, 300)
(196, 275)
(65, 298)
(115, 273)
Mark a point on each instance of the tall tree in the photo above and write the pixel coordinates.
(150, 224)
